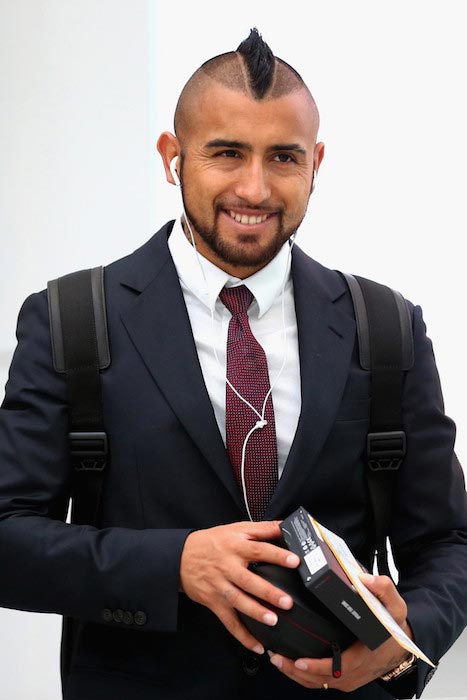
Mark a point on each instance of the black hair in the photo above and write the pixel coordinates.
(252, 70)
(259, 61)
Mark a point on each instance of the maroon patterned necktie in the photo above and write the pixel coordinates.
(247, 371)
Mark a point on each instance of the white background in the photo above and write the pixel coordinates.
(85, 89)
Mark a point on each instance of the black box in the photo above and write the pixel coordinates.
(323, 576)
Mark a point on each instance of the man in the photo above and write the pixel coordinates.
(158, 587)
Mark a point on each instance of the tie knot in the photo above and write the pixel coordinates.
(236, 299)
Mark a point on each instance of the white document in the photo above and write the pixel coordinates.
(353, 570)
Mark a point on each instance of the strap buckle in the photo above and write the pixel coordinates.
(386, 450)
(89, 450)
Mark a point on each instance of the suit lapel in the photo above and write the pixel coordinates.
(159, 327)
(326, 337)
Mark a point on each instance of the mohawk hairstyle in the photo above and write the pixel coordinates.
(259, 61)
(252, 70)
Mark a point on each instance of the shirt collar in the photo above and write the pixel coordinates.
(265, 285)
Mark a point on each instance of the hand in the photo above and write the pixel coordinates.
(359, 665)
(214, 572)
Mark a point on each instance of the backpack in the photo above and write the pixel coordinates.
(81, 350)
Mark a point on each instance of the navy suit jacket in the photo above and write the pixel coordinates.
(170, 474)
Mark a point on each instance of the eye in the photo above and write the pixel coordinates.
(230, 153)
(284, 158)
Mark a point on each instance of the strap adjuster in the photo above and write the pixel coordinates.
(89, 450)
(386, 450)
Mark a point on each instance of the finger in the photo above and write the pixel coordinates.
(384, 589)
(317, 667)
(252, 550)
(255, 584)
(351, 659)
(288, 668)
(231, 622)
(236, 598)
(264, 530)
(258, 587)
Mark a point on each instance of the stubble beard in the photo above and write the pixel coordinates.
(242, 254)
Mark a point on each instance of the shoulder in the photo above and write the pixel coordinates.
(154, 250)
(314, 277)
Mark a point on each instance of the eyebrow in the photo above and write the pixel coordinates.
(288, 147)
(225, 143)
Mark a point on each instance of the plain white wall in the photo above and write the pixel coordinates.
(85, 89)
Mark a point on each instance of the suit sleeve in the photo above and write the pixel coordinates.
(48, 565)
(429, 534)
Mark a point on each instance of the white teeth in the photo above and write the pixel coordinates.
(244, 219)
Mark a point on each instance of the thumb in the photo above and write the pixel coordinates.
(384, 589)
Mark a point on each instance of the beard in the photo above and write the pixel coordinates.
(243, 251)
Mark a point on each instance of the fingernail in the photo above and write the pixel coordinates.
(276, 661)
(258, 649)
(285, 601)
(301, 665)
(292, 560)
(367, 578)
(270, 619)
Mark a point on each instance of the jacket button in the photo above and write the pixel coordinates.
(106, 615)
(250, 663)
(140, 618)
(128, 618)
(118, 615)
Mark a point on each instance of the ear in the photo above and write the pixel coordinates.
(318, 156)
(169, 147)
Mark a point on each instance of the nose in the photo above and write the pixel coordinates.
(252, 184)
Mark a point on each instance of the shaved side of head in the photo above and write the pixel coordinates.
(252, 70)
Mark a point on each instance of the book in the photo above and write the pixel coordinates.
(331, 573)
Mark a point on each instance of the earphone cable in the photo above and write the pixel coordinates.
(261, 422)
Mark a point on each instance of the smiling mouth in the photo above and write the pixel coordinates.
(249, 220)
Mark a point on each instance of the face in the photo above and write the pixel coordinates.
(246, 173)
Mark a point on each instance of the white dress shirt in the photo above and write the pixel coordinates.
(201, 281)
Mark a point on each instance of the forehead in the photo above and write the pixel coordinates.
(219, 112)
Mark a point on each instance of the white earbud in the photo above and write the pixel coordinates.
(313, 182)
(173, 170)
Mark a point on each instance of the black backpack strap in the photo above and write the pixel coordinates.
(386, 350)
(80, 349)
